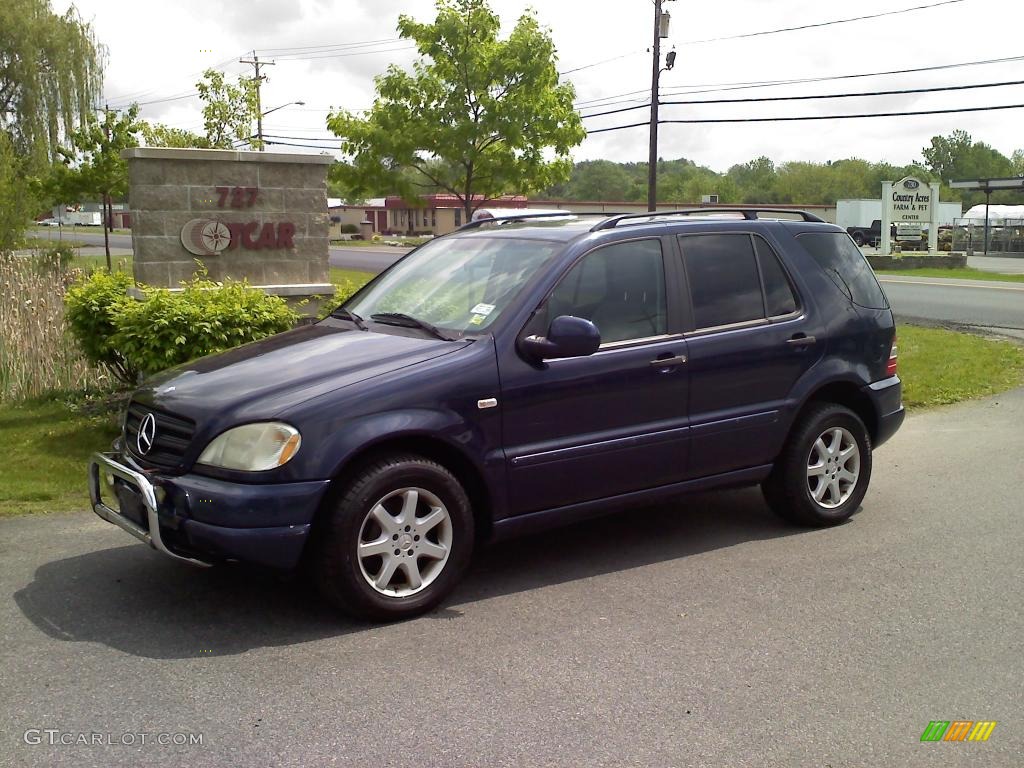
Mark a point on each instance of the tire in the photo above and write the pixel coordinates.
(372, 512)
(802, 470)
(858, 238)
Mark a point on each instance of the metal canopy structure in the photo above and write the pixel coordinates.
(988, 186)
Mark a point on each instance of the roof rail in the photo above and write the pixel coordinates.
(748, 213)
(511, 217)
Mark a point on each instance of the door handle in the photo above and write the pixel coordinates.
(801, 341)
(668, 362)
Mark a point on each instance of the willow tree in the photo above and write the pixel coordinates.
(51, 69)
(478, 116)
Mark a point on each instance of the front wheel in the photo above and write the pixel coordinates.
(396, 542)
(823, 472)
(858, 238)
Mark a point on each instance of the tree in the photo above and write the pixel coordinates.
(1017, 161)
(17, 206)
(478, 117)
(159, 135)
(95, 166)
(50, 75)
(229, 110)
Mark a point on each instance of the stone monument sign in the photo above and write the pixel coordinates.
(257, 216)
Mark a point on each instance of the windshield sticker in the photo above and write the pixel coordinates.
(477, 319)
(482, 309)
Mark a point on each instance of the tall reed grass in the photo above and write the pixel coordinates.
(36, 354)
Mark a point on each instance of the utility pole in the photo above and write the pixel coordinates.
(660, 31)
(108, 213)
(256, 63)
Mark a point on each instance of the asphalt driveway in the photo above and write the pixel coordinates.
(702, 632)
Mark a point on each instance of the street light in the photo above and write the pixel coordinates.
(261, 115)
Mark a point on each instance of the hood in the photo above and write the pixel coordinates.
(261, 378)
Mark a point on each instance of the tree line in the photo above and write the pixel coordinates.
(946, 158)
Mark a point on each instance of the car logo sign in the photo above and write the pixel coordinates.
(147, 434)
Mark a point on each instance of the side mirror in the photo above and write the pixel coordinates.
(568, 336)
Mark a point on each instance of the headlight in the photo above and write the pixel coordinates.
(253, 447)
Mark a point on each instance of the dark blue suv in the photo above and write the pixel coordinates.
(519, 373)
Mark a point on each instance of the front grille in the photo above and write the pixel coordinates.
(173, 436)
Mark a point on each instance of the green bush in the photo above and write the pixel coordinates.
(134, 337)
(91, 312)
(349, 229)
(170, 328)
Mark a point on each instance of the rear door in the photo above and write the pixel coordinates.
(751, 339)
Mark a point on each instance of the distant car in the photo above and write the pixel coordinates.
(517, 374)
(48, 223)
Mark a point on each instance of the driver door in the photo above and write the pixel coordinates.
(585, 428)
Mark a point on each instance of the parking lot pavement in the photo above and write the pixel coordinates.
(702, 632)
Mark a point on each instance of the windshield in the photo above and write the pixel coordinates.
(458, 284)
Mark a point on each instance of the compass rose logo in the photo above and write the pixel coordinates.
(204, 237)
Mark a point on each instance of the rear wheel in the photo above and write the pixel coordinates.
(823, 472)
(397, 541)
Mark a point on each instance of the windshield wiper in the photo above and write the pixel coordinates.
(407, 321)
(346, 314)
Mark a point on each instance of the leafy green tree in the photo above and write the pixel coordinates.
(229, 109)
(50, 75)
(17, 205)
(958, 156)
(159, 135)
(95, 168)
(754, 180)
(1017, 161)
(478, 115)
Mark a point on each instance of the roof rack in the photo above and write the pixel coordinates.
(748, 213)
(511, 217)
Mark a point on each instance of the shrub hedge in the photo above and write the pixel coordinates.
(134, 338)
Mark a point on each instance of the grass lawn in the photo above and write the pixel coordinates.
(939, 367)
(48, 450)
(348, 281)
(962, 273)
(43, 243)
(99, 260)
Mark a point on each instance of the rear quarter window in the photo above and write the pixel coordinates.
(846, 266)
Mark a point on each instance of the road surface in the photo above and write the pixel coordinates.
(698, 633)
(983, 303)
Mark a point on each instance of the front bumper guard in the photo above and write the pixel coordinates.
(107, 463)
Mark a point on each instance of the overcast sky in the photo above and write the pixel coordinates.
(158, 49)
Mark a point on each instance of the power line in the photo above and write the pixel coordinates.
(780, 30)
(329, 46)
(821, 23)
(817, 96)
(599, 63)
(346, 55)
(814, 117)
(717, 87)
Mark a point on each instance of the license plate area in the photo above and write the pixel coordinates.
(123, 497)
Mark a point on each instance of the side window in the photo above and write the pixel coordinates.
(778, 293)
(724, 283)
(846, 265)
(620, 288)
